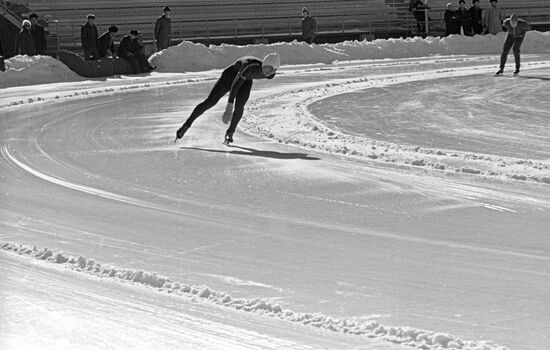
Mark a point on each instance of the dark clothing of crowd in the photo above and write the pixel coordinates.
(476, 17)
(451, 23)
(39, 37)
(464, 21)
(132, 51)
(24, 43)
(309, 29)
(90, 42)
(163, 30)
(106, 44)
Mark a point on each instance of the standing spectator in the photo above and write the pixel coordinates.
(516, 29)
(418, 8)
(451, 20)
(127, 48)
(476, 15)
(38, 34)
(163, 29)
(492, 21)
(464, 20)
(88, 35)
(309, 26)
(24, 43)
(107, 42)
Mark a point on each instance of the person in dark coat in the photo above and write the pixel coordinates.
(24, 43)
(451, 20)
(89, 37)
(309, 26)
(476, 16)
(127, 49)
(38, 34)
(163, 30)
(418, 9)
(139, 52)
(107, 43)
(464, 20)
(237, 80)
(516, 29)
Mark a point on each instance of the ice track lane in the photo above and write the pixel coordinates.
(319, 233)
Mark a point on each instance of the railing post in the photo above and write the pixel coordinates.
(57, 34)
(263, 29)
(289, 27)
(427, 20)
(74, 34)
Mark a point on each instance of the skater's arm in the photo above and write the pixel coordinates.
(240, 79)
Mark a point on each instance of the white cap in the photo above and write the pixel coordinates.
(26, 21)
(272, 60)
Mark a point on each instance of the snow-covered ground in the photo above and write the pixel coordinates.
(372, 204)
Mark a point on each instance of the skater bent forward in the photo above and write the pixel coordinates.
(237, 80)
(516, 33)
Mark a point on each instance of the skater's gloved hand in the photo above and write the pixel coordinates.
(228, 114)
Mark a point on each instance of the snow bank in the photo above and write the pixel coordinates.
(31, 70)
(409, 336)
(188, 56)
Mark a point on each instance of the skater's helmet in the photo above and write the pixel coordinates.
(272, 60)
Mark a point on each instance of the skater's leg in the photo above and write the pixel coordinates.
(222, 87)
(516, 50)
(506, 50)
(240, 100)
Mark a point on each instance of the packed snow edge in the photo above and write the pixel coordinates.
(415, 338)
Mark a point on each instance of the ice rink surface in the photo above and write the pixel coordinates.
(90, 169)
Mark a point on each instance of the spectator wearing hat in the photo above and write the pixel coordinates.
(516, 29)
(451, 20)
(127, 49)
(24, 42)
(309, 26)
(107, 42)
(476, 15)
(163, 30)
(38, 34)
(464, 18)
(90, 42)
(492, 20)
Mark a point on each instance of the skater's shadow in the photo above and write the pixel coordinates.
(537, 78)
(247, 151)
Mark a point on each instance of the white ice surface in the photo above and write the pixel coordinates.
(90, 169)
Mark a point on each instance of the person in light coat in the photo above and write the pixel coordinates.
(492, 19)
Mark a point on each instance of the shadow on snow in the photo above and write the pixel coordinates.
(247, 151)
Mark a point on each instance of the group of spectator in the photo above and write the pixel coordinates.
(31, 40)
(473, 21)
(131, 46)
(461, 20)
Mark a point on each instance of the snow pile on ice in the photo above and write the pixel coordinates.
(285, 118)
(31, 70)
(188, 56)
(409, 336)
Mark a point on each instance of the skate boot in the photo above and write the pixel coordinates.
(499, 73)
(228, 138)
(181, 131)
(516, 73)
